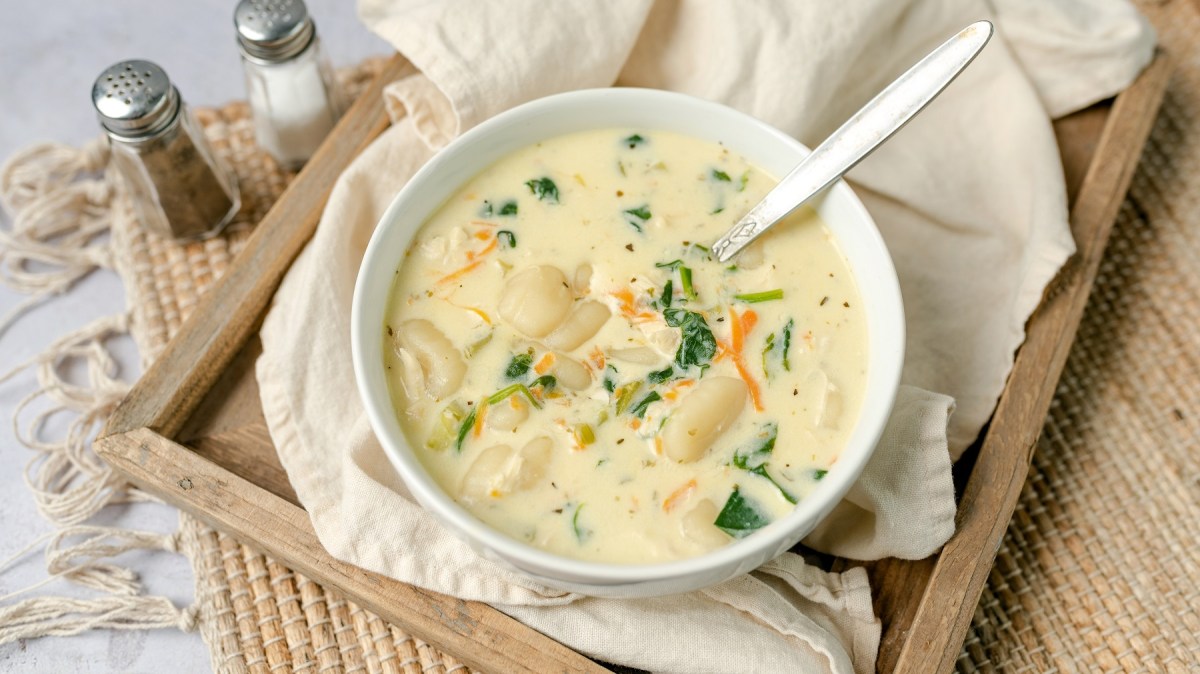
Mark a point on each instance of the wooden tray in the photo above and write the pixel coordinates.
(192, 432)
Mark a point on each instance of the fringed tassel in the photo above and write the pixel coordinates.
(69, 482)
(79, 561)
(60, 204)
(57, 213)
(62, 616)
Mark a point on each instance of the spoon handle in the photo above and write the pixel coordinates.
(873, 124)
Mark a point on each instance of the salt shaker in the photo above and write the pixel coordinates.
(293, 95)
(177, 185)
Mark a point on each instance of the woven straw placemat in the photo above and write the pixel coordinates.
(1100, 568)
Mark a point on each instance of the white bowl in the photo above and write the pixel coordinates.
(643, 109)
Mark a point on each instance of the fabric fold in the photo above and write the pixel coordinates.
(969, 198)
(481, 58)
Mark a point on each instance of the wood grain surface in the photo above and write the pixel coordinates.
(194, 419)
(475, 633)
(934, 640)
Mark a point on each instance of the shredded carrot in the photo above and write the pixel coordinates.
(472, 255)
(673, 392)
(635, 424)
(678, 495)
(628, 307)
(483, 236)
(474, 259)
(625, 296)
(475, 310)
(739, 326)
(460, 272)
(486, 319)
(484, 223)
(737, 332)
(480, 413)
(749, 320)
(544, 364)
(597, 358)
(658, 445)
(751, 385)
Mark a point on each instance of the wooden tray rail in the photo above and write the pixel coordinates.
(191, 430)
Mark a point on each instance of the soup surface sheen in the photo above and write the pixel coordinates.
(572, 367)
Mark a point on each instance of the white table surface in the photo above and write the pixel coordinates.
(49, 55)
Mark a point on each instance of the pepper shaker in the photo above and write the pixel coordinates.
(176, 183)
(293, 95)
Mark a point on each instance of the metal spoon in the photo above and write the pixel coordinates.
(873, 124)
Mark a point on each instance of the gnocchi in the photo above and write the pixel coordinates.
(441, 364)
(706, 413)
(499, 471)
(536, 300)
(584, 322)
(572, 366)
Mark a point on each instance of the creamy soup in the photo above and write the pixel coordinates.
(572, 366)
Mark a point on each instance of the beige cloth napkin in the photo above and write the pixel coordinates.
(969, 197)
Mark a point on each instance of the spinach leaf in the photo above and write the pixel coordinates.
(544, 189)
(718, 174)
(819, 473)
(668, 294)
(610, 378)
(507, 238)
(660, 376)
(546, 381)
(757, 454)
(581, 534)
(775, 351)
(697, 345)
(754, 459)
(519, 366)
(743, 180)
(741, 517)
(787, 344)
(639, 410)
(634, 141)
(638, 216)
(510, 207)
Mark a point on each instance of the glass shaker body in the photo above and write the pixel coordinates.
(295, 103)
(177, 185)
(175, 182)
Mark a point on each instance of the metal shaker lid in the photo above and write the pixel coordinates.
(273, 30)
(134, 98)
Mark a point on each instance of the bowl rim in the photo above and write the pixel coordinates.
(379, 263)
